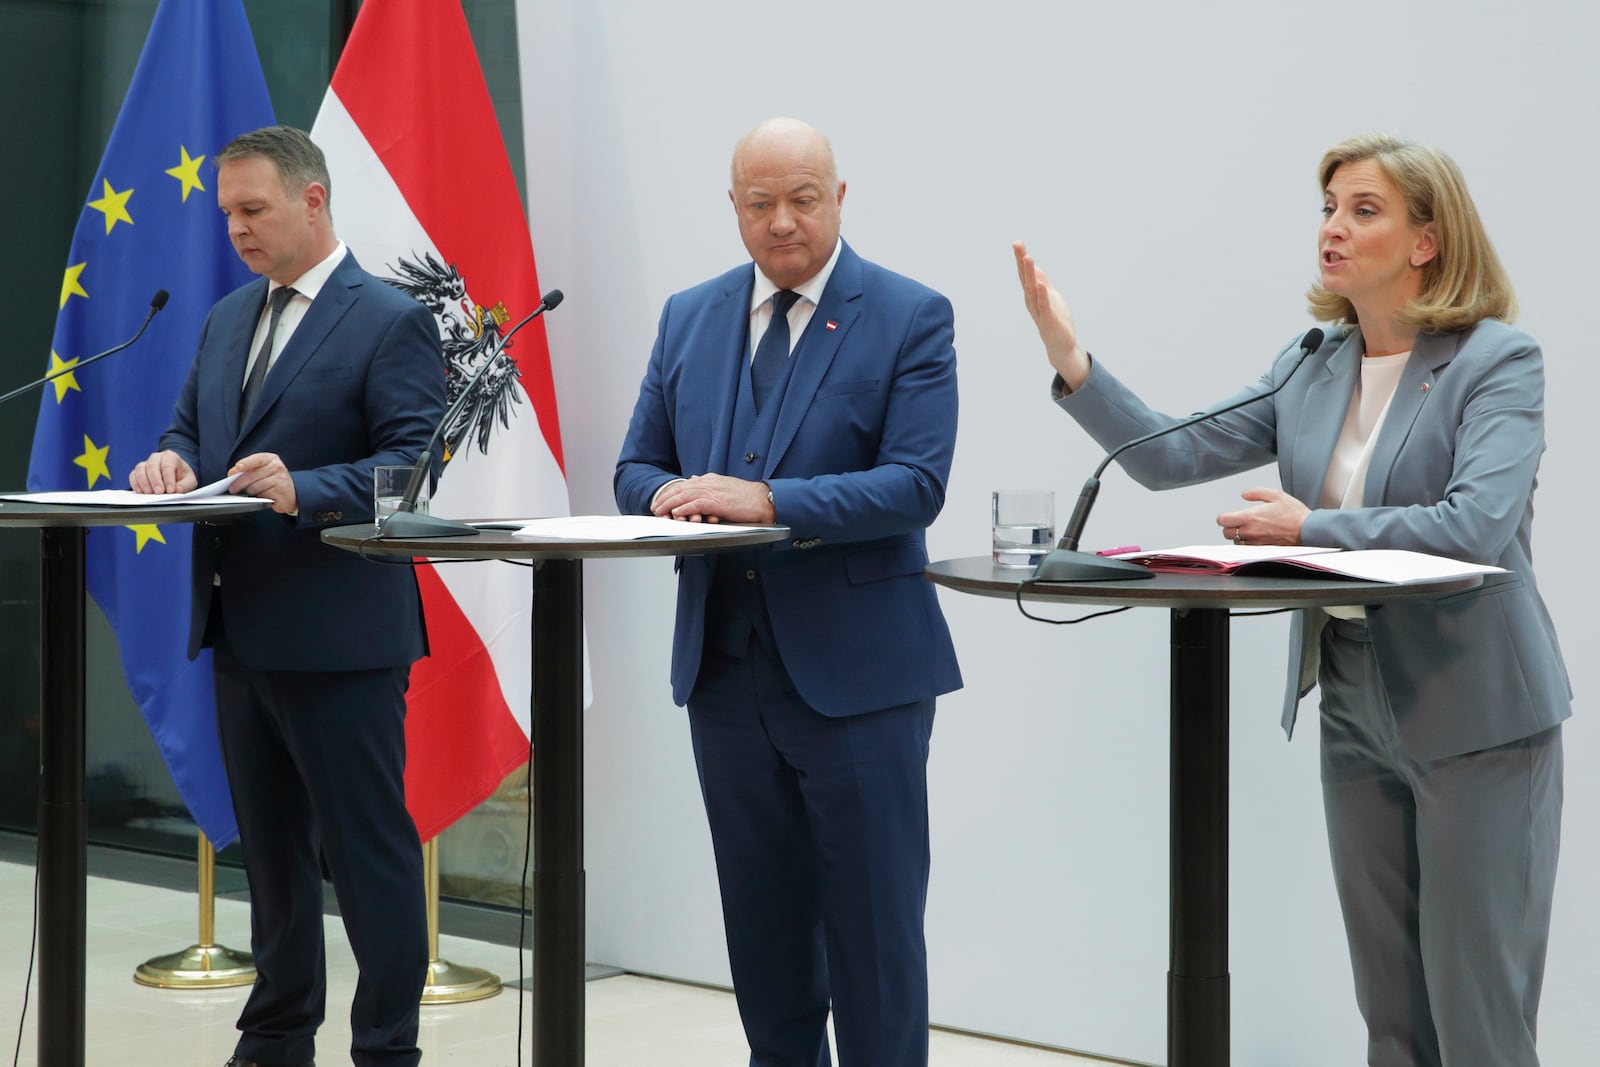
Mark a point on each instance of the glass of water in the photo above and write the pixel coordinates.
(1024, 525)
(389, 488)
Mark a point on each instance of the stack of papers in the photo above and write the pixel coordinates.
(620, 528)
(1393, 565)
(215, 493)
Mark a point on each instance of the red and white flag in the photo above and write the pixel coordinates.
(424, 196)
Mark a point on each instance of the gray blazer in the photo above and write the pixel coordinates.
(1453, 473)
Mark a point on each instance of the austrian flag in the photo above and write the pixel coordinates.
(424, 197)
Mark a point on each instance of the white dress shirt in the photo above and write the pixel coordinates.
(306, 288)
(800, 314)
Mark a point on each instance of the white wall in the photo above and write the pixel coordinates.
(1160, 158)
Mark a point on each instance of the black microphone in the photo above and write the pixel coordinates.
(406, 522)
(1066, 564)
(157, 302)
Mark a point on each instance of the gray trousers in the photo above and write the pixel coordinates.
(1445, 872)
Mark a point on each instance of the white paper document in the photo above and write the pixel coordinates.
(215, 493)
(1393, 565)
(619, 527)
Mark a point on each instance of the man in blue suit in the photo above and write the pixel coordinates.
(303, 382)
(818, 391)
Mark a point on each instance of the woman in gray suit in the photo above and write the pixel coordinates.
(1418, 424)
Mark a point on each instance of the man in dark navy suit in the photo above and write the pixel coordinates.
(815, 390)
(304, 381)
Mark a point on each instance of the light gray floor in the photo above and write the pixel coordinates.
(632, 1021)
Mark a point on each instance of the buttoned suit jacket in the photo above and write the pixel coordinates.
(359, 384)
(1452, 473)
(858, 464)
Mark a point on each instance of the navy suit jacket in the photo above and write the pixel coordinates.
(1452, 473)
(858, 465)
(360, 384)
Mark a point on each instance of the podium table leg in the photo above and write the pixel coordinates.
(558, 878)
(63, 819)
(1197, 977)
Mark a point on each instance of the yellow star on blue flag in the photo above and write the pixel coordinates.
(93, 461)
(70, 285)
(113, 205)
(63, 382)
(144, 533)
(187, 172)
(198, 85)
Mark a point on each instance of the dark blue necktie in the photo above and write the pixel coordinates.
(773, 351)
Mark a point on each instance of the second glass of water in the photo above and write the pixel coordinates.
(389, 488)
(1024, 525)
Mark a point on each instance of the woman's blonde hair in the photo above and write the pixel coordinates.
(1464, 282)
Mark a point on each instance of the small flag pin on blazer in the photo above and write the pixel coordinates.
(1424, 387)
(832, 325)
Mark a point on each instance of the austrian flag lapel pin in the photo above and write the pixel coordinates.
(831, 325)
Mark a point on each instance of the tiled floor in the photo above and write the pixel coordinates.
(632, 1021)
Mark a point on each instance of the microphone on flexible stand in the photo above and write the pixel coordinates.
(406, 520)
(1066, 564)
(157, 302)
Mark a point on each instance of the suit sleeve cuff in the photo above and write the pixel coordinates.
(1060, 390)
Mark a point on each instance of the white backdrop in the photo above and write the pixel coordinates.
(1160, 159)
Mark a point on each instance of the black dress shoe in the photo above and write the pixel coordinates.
(240, 1061)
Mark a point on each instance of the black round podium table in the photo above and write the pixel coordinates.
(1197, 975)
(557, 730)
(63, 815)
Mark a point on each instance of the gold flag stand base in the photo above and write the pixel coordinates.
(448, 983)
(205, 965)
(198, 967)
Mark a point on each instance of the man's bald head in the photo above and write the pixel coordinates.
(788, 135)
(788, 196)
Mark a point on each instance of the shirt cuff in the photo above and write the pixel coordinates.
(657, 493)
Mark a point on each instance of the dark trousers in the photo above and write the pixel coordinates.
(1445, 871)
(316, 761)
(820, 829)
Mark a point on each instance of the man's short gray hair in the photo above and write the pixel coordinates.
(299, 161)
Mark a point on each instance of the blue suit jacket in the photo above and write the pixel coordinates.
(360, 384)
(1452, 473)
(858, 466)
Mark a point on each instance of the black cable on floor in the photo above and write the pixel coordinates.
(33, 947)
(522, 904)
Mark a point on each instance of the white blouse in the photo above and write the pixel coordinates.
(1347, 471)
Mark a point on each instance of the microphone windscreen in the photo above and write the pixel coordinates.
(158, 301)
(1312, 340)
(553, 298)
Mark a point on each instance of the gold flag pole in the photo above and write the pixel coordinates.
(204, 965)
(448, 983)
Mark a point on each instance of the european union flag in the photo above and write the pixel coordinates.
(151, 222)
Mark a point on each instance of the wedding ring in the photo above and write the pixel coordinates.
(1238, 540)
